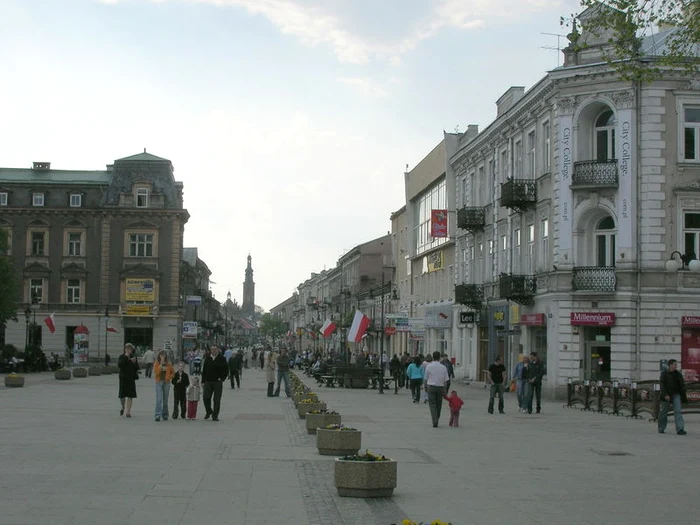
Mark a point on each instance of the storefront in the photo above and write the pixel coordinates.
(534, 334)
(690, 348)
(594, 329)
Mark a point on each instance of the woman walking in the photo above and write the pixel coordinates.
(414, 374)
(128, 373)
(270, 366)
(163, 373)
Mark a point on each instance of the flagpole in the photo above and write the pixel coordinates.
(106, 327)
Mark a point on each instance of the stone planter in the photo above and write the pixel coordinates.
(14, 381)
(80, 372)
(106, 370)
(62, 374)
(314, 421)
(95, 371)
(303, 408)
(365, 479)
(298, 399)
(338, 442)
(115, 369)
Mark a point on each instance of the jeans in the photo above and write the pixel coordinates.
(520, 391)
(235, 374)
(149, 369)
(415, 389)
(282, 374)
(435, 395)
(496, 389)
(534, 389)
(212, 388)
(162, 391)
(179, 402)
(677, 413)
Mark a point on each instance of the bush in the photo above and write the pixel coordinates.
(8, 352)
(34, 359)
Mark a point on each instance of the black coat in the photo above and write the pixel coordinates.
(128, 372)
(180, 382)
(672, 384)
(214, 370)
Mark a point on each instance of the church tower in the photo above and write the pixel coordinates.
(248, 307)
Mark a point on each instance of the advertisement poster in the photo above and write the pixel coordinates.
(690, 355)
(141, 290)
(438, 223)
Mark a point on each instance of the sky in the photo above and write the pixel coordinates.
(290, 122)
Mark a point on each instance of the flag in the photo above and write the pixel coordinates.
(443, 315)
(48, 321)
(360, 323)
(328, 328)
(112, 329)
(311, 333)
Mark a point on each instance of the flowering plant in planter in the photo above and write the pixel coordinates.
(435, 522)
(338, 427)
(323, 411)
(308, 401)
(366, 456)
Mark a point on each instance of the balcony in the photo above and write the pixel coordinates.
(594, 279)
(471, 218)
(470, 294)
(519, 194)
(312, 302)
(517, 288)
(595, 174)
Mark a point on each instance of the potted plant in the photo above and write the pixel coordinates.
(434, 522)
(62, 374)
(298, 398)
(338, 440)
(365, 475)
(95, 371)
(106, 370)
(308, 404)
(321, 418)
(14, 380)
(80, 372)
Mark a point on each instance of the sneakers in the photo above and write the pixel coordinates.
(681, 432)
(207, 416)
(157, 419)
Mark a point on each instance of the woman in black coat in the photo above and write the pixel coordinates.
(128, 373)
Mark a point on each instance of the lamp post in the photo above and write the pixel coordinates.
(27, 314)
(678, 261)
(35, 305)
(106, 328)
(381, 343)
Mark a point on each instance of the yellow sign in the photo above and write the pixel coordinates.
(514, 314)
(435, 261)
(138, 309)
(140, 290)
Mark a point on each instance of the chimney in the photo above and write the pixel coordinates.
(509, 99)
(472, 131)
(41, 166)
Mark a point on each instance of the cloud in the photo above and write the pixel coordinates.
(365, 86)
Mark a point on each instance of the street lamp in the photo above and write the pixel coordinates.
(106, 328)
(35, 305)
(677, 261)
(27, 314)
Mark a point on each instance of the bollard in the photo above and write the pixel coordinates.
(586, 395)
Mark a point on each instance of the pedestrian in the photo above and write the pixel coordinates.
(672, 395)
(414, 374)
(283, 373)
(262, 358)
(395, 371)
(193, 393)
(108, 358)
(424, 365)
(520, 377)
(128, 374)
(163, 372)
(214, 373)
(497, 377)
(180, 383)
(234, 369)
(450, 371)
(228, 353)
(148, 359)
(270, 365)
(455, 403)
(435, 378)
(535, 371)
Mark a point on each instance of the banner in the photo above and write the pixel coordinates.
(141, 290)
(138, 309)
(435, 261)
(438, 223)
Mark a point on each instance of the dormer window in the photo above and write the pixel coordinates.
(142, 197)
(76, 200)
(3, 198)
(37, 199)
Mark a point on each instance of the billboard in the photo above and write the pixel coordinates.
(141, 290)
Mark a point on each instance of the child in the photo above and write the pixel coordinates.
(455, 406)
(193, 392)
(180, 383)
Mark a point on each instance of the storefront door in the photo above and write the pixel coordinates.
(597, 361)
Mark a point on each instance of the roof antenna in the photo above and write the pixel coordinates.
(144, 150)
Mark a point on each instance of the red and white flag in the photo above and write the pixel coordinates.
(48, 321)
(112, 329)
(359, 326)
(328, 328)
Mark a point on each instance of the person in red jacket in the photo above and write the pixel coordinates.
(455, 403)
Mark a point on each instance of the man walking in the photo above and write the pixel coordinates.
(235, 363)
(148, 359)
(497, 377)
(435, 378)
(282, 373)
(214, 372)
(520, 376)
(535, 371)
(672, 394)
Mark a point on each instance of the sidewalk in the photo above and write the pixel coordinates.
(68, 458)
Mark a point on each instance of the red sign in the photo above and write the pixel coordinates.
(438, 223)
(390, 330)
(592, 319)
(690, 321)
(690, 355)
(532, 319)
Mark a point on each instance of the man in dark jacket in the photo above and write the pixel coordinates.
(672, 394)
(535, 371)
(234, 368)
(214, 373)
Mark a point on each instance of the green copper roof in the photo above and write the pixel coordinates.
(143, 157)
(28, 175)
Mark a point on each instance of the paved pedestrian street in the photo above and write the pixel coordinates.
(68, 458)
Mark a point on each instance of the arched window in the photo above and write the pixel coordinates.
(604, 137)
(605, 242)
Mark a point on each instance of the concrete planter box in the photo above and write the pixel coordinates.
(106, 370)
(80, 372)
(115, 369)
(338, 442)
(314, 421)
(365, 479)
(95, 371)
(14, 381)
(303, 408)
(297, 400)
(62, 375)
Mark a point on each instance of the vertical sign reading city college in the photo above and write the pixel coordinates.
(627, 188)
(566, 148)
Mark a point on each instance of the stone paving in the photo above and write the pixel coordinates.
(68, 458)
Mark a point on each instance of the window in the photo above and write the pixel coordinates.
(36, 290)
(547, 149)
(76, 200)
(472, 193)
(691, 133)
(37, 199)
(434, 198)
(482, 188)
(142, 197)
(531, 155)
(464, 191)
(516, 251)
(74, 244)
(72, 291)
(530, 248)
(604, 140)
(3, 198)
(489, 183)
(141, 245)
(544, 236)
(691, 234)
(503, 259)
(518, 160)
(605, 242)
(38, 243)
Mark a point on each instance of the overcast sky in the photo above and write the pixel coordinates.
(290, 122)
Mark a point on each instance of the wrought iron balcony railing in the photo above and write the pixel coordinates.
(470, 294)
(519, 194)
(517, 288)
(594, 278)
(472, 218)
(594, 173)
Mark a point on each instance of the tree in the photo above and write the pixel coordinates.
(272, 326)
(9, 283)
(622, 24)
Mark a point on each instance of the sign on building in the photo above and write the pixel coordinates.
(140, 290)
(467, 317)
(194, 300)
(189, 329)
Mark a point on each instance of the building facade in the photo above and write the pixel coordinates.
(96, 248)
